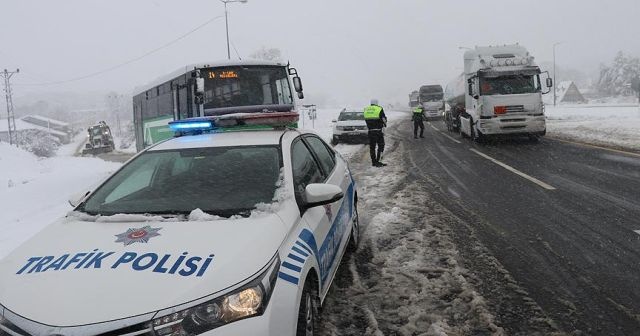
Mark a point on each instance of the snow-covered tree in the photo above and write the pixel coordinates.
(268, 54)
(617, 78)
(38, 142)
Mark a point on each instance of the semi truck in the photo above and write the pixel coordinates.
(499, 92)
(431, 99)
(413, 99)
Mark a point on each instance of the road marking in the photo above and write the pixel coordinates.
(448, 136)
(597, 147)
(637, 231)
(515, 171)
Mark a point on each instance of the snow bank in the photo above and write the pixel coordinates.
(608, 125)
(34, 192)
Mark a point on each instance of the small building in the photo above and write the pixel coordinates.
(21, 126)
(567, 92)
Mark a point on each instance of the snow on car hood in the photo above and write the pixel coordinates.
(78, 272)
(351, 123)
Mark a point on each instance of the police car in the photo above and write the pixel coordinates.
(215, 232)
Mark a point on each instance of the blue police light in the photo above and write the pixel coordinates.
(181, 126)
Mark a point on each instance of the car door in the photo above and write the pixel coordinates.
(329, 224)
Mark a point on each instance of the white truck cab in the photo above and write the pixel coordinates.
(502, 93)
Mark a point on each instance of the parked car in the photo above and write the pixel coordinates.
(350, 126)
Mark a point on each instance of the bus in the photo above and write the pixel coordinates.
(212, 89)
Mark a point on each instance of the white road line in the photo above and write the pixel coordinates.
(439, 131)
(513, 170)
(637, 231)
(450, 137)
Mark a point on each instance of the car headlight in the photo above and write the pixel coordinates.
(248, 301)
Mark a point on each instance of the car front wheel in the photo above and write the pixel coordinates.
(334, 140)
(306, 313)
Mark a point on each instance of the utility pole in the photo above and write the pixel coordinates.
(555, 84)
(13, 136)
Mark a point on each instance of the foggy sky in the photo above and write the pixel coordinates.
(346, 51)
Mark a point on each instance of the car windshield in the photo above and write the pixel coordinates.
(351, 116)
(222, 181)
(504, 85)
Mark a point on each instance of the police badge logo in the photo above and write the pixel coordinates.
(141, 235)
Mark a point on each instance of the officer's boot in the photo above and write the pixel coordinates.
(378, 158)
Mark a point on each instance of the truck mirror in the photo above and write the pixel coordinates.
(549, 82)
(297, 84)
(470, 88)
(200, 85)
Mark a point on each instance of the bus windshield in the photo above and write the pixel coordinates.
(246, 86)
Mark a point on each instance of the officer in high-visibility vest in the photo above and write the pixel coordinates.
(376, 119)
(418, 121)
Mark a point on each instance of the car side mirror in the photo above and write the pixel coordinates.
(317, 194)
(76, 199)
(300, 95)
(334, 121)
(549, 82)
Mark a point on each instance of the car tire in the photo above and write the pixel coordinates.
(334, 140)
(354, 239)
(307, 319)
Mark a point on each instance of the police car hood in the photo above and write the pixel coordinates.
(79, 272)
(351, 123)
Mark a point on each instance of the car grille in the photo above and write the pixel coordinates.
(138, 329)
(354, 128)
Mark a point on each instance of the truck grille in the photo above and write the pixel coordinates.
(515, 108)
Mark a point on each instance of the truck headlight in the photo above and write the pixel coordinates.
(248, 301)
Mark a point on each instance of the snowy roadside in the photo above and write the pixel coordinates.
(405, 278)
(607, 125)
(34, 192)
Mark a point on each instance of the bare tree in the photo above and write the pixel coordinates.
(268, 54)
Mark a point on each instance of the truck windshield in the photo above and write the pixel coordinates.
(436, 97)
(246, 86)
(222, 181)
(505, 85)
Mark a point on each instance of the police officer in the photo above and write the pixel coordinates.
(418, 121)
(375, 118)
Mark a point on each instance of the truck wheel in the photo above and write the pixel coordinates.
(307, 319)
(475, 135)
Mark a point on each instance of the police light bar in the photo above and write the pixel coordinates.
(236, 121)
(190, 125)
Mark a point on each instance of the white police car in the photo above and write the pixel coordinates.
(221, 233)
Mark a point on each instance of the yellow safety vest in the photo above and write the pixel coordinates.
(372, 112)
(418, 110)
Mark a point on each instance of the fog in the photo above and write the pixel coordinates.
(345, 51)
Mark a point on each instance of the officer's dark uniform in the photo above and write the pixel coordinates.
(375, 118)
(418, 121)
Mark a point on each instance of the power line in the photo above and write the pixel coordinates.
(75, 79)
